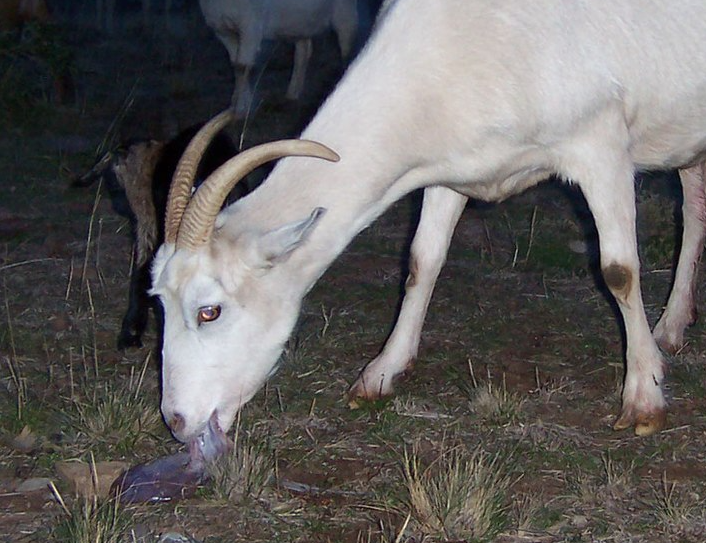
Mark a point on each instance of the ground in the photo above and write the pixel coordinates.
(514, 393)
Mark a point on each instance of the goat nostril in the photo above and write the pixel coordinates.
(177, 423)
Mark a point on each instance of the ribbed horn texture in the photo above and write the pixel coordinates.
(185, 173)
(200, 215)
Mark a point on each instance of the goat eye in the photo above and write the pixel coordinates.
(208, 313)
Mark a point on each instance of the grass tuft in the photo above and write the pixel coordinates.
(91, 520)
(526, 509)
(494, 404)
(673, 509)
(461, 495)
(118, 416)
(245, 471)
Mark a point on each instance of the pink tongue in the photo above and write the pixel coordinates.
(209, 446)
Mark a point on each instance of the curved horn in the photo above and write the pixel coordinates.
(185, 173)
(200, 215)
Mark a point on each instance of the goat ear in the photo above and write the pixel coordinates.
(275, 246)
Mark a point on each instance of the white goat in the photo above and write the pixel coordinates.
(242, 25)
(468, 98)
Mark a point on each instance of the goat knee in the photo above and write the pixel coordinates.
(619, 279)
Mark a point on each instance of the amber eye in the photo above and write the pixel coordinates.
(209, 313)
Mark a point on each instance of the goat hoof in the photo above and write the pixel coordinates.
(668, 346)
(359, 395)
(126, 341)
(645, 424)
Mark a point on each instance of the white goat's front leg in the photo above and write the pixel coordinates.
(606, 178)
(681, 307)
(441, 210)
(302, 54)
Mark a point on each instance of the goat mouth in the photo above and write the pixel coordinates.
(209, 445)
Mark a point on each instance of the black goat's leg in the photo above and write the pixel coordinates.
(135, 319)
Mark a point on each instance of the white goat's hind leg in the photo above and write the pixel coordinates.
(681, 307)
(302, 54)
(606, 180)
(242, 97)
(242, 53)
(440, 212)
(345, 23)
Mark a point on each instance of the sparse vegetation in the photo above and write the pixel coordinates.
(460, 495)
(526, 509)
(675, 509)
(114, 416)
(32, 67)
(547, 366)
(246, 470)
(492, 403)
(91, 520)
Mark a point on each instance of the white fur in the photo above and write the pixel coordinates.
(470, 98)
(242, 25)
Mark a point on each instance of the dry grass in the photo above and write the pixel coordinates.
(385, 534)
(90, 520)
(492, 403)
(245, 472)
(673, 508)
(525, 510)
(495, 405)
(461, 495)
(617, 476)
(116, 415)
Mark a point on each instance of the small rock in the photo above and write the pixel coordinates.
(579, 521)
(578, 246)
(174, 537)
(140, 533)
(33, 485)
(25, 441)
(79, 476)
(60, 323)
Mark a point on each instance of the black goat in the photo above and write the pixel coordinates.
(137, 177)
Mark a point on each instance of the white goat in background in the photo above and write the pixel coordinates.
(467, 98)
(242, 25)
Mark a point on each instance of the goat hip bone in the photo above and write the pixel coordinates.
(200, 215)
(185, 173)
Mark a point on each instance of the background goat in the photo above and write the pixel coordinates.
(242, 25)
(14, 14)
(465, 98)
(138, 176)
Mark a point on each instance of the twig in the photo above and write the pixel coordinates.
(531, 234)
(93, 327)
(15, 374)
(59, 498)
(25, 262)
(142, 374)
(70, 281)
(90, 231)
(473, 375)
(111, 132)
